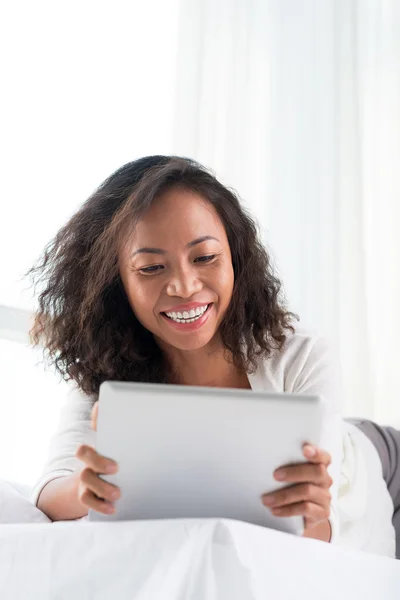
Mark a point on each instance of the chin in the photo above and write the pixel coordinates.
(189, 344)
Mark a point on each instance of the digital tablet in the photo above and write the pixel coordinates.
(201, 452)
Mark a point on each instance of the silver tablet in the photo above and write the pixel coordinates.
(198, 452)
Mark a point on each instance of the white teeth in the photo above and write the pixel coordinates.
(187, 317)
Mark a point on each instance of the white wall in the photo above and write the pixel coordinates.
(87, 86)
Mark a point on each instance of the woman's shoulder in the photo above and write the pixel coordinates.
(304, 354)
(301, 346)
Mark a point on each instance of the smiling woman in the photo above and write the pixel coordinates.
(195, 272)
(160, 235)
(161, 277)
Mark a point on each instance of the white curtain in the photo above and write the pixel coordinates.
(296, 104)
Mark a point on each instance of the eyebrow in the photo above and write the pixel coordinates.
(161, 251)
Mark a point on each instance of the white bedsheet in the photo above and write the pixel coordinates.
(196, 559)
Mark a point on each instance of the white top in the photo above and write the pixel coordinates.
(361, 507)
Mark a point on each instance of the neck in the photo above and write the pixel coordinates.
(210, 366)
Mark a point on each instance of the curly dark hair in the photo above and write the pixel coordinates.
(85, 322)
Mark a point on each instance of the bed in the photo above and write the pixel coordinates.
(182, 559)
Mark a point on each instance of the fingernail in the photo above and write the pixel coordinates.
(111, 468)
(310, 450)
(280, 475)
(114, 494)
(268, 500)
(109, 509)
(277, 511)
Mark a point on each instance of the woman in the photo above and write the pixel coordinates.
(160, 277)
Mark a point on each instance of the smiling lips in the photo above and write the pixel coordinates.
(187, 316)
(188, 319)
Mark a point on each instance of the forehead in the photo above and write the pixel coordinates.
(177, 217)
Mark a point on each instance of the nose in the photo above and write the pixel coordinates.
(184, 282)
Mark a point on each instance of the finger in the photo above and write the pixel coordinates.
(89, 499)
(314, 473)
(312, 513)
(297, 493)
(316, 455)
(95, 412)
(102, 489)
(98, 463)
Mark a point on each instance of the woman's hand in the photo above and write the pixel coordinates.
(93, 492)
(309, 493)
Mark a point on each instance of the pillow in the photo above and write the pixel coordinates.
(16, 508)
(22, 488)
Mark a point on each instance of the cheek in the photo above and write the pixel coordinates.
(142, 299)
(223, 285)
(227, 280)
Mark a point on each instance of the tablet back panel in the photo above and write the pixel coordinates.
(193, 452)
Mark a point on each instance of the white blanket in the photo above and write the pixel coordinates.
(196, 559)
(183, 559)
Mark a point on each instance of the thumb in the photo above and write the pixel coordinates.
(95, 411)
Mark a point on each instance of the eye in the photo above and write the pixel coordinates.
(152, 269)
(205, 259)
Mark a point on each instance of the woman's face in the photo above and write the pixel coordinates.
(177, 270)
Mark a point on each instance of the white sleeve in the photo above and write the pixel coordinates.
(74, 429)
(319, 373)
